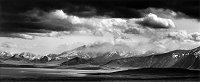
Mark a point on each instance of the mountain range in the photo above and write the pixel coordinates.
(175, 59)
(112, 58)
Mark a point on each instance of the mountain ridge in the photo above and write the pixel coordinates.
(189, 59)
(173, 59)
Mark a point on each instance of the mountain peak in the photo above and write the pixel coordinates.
(4, 54)
(196, 51)
(81, 47)
(198, 48)
(28, 55)
(75, 61)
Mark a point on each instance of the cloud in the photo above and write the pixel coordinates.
(153, 21)
(59, 14)
(69, 19)
(147, 30)
(178, 35)
(25, 36)
(18, 35)
(58, 20)
(134, 30)
(195, 36)
(8, 45)
(22, 36)
(164, 13)
(57, 23)
(184, 36)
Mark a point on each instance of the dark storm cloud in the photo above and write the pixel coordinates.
(15, 15)
(14, 20)
(190, 7)
(84, 8)
(17, 35)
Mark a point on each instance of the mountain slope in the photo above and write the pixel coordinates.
(173, 59)
(74, 61)
(95, 50)
(100, 60)
(99, 53)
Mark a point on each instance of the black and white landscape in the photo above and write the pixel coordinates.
(99, 40)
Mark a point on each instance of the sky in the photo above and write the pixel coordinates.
(144, 26)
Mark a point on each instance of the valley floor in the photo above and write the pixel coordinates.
(53, 74)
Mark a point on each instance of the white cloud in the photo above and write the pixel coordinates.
(8, 45)
(195, 36)
(22, 36)
(164, 13)
(180, 35)
(58, 20)
(156, 22)
(184, 36)
(57, 34)
(25, 36)
(58, 14)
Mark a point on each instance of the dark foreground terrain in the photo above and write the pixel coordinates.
(87, 74)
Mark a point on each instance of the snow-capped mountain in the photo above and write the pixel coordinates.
(112, 58)
(4, 55)
(189, 59)
(97, 50)
(24, 56)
